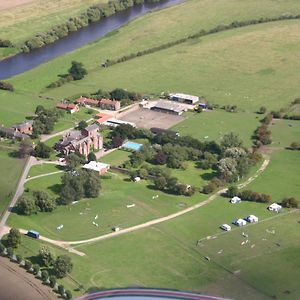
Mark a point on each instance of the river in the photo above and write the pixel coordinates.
(26, 61)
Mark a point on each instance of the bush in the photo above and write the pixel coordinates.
(10, 252)
(61, 290)
(6, 86)
(45, 275)
(36, 269)
(6, 44)
(13, 238)
(290, 202)
(52, 280)
(2, 248)
(68, 295)
(28, 265)
(19, 258)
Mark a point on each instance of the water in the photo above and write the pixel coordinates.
(26, 61)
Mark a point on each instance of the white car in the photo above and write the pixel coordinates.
(225, 227)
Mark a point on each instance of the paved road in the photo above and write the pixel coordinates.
(68, 245)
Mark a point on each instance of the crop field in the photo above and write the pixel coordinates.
(117, 192)
(10, 172)
(212, 125)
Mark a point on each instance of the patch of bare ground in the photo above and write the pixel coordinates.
(5, 4)
(17, 284)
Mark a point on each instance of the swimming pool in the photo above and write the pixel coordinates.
(132, 146)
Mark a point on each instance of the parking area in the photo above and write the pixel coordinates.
(146, 118)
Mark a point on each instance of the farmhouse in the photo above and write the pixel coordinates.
(168, 107)
(83, 142)
(184, 98)
(109, 104)
(86, 101)
(12, 134)
(25, 127)
(275, 207)
(71, 108)
(99, 167)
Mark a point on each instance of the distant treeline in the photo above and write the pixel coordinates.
(201, 33)
(91, 15)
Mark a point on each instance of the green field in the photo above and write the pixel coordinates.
(24, 21)
(10, 172)
(116, 193)
(212, 125)
(116, 158)
(43, 169)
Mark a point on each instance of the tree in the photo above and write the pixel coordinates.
(68, 295)
(160, 157)
(232, 191)
(52, 281)
(43, 201)
(209, 188)
(77, 70)
(36, 269)
(262, 110)
(63, 265)
(295, 146)
(82, 125)
(61, 290)
(91, 157)
(25, 148)
(10, 252)
(42, 150)
(19, 258)
(28, 265)
(13, 238)
(92, 185)
(119, 94)
(26, 206)
(46, 256)
(143, 173)
(117, 141)
(227, 169)
(160, 182)
(2, 248)
(74, 161)
(45, 275)
(290, 202)
(231, 140)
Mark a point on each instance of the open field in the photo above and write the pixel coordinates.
(281, 178)
(22, 19)
(146, 118)
(116, 193)
(10, 172)
(116, 158)
(43, 169)
(212, 125)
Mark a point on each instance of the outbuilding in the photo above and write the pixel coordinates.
(275, 207)
(235, 200)
(99, 167)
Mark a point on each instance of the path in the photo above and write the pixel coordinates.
(68, 245)
(42, 175)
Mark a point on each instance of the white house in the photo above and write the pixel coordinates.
(99, 167)
(240, 222)
(235, 200)
(251, 219)
(275, 207)
(225, 227)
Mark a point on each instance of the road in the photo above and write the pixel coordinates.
(68, 245)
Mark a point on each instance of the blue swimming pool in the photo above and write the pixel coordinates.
(132, 146)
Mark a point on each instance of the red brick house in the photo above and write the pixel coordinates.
(71, 108)
(24, 128)
(86, 101)
(109, 104)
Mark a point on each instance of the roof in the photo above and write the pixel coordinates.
(110, 102)
(185, 96)
(168, 105)
(24, 124)
(92, 127)
(12, 133)
(114, 121)
(84, 100)
(96, 166)
(275, 205)
(66, 106)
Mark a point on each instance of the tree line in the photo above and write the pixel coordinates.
(93, 14)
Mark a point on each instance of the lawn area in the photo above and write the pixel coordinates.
(284, 132)
(43, 169)
(51, 142)
(212, 125)
(21, 22)
(116, 158)
(281, 178)
(10, 172)
(116, 193)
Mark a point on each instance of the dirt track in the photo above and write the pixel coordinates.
(17, 284)
(5, 4)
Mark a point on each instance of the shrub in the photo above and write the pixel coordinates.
(52, 280)
(6, 86)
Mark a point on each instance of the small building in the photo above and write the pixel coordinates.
(113, 122)
(239, 222)
(100, 168)
(83, 101)
(69, 107)
(275, 207)
(109, 104)
(184, 98)
(12, 134)
(225, 227)
(25, 127)
(251, 219)
(235, 200)
(168, 107)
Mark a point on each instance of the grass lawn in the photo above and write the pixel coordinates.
(24, 21)
(281, 178)
(284, 132)
(212, 125)
(116, 193)
(43, 169)
(51, 142)
(10, 172)
(116, 158)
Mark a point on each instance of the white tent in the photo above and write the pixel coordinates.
(275, 207)
(235, 200)
(252, 219)
(240, 222)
